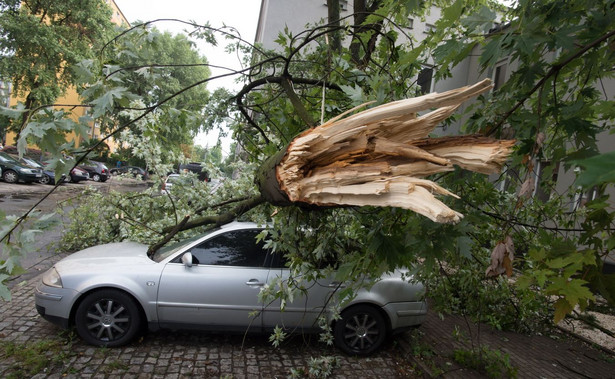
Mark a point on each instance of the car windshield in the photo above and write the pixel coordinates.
(167, 251)
(180, 179)
(7, 158)
(32, 163)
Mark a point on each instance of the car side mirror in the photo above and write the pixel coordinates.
(187, 259)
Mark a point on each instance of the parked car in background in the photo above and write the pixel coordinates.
(13, 171)
(49, 177)
(78, 175)
(98, 171)
(137, 172)
(196, 168)
(176, 179)
(211, 282)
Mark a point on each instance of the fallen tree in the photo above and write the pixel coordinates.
(377, 157)
(380, 157)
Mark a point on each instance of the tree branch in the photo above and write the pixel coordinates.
(553, 71)
(220, 219)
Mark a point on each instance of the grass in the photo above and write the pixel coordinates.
(33, 358)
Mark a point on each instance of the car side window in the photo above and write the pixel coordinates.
(276, 259)
(235, 248)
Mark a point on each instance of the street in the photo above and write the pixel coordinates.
(16, 199)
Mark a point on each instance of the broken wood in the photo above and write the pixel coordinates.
(380, 157)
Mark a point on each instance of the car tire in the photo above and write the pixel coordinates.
(10, 176)
(46, 179)
(96, 178)
(108, 318)
(361, 330)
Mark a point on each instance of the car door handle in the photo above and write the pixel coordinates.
(255, 282)
(336, 285)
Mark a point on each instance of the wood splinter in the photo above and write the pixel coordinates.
(380, 156)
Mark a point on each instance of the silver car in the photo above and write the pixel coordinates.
(211, 282)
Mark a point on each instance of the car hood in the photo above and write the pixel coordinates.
(121, 254)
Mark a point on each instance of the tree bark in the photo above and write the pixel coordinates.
(333, 8)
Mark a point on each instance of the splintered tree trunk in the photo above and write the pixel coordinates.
(380, 157)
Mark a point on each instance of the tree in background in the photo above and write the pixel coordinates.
(41, 41)
(160, 67)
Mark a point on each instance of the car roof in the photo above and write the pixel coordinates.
(239, 225)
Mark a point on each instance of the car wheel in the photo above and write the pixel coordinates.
(96, 177)
(108, 318)
(46, 179)
(361, 330)
(10, 176)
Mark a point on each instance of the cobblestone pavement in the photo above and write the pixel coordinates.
(533, 356)
(168, 354)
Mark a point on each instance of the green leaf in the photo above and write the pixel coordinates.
(106, 102)
(562, 308)
(492, 52)
(13, 113)
(481, 22)
(5, 293)
(597, 170)
(524, 282)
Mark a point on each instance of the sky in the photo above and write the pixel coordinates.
(240, 14)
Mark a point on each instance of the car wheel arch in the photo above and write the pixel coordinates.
(85, 294)
(376, 306)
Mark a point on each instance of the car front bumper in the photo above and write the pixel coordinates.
(54, 304)
(79, 178)
(29, 178)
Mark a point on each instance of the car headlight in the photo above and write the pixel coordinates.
(27, 170)
(52, 279)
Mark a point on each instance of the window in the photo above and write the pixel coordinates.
(410, 23)
(235, 248)
(429, 28)
(546, 176)
(499, 77)
(581, 198)
(424, 80)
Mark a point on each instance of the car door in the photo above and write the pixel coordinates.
(308, 304)
(220, 290)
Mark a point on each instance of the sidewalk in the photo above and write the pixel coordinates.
(535, 356)
(168, 354)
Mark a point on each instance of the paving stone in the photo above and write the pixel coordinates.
(166, 354)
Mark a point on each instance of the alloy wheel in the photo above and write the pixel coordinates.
(361, 331)
(108, 318)
(10, 176)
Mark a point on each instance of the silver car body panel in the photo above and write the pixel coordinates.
(174, 295)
